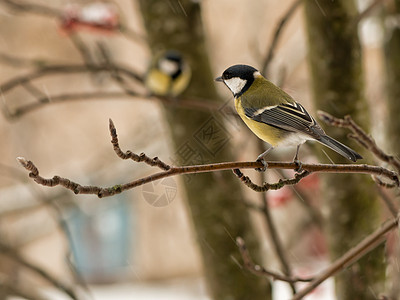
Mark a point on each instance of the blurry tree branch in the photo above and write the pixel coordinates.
(273, 233)
(277, 34)
(260, 271)
(21, 62)
(83, 50)
(15, 256)
(8, 288)
(365, 246)
(392, 208)
(45, 100)
(67, 69)
(26, 81)
(172, 171)
(361, 137)
(369, 143)
(315, 214)
(22, 209)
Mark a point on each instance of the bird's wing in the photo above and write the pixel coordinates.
(288, 116)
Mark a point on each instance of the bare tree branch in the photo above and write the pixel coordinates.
(67, 69)
(12, 288)
(360, 136)
(270, 186)
(260, 271)
(272, 229)
(304, 201)
(277, 34)
(83, 50)
(46, 100)
(155, 161)
(26, 81)
(387, 201)
(172, 171)
(132, 95)
(361, 249)
(364, 247)
(22, 62)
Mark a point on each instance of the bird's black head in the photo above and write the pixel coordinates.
(238, 78)
(173, 55)
(171, 62)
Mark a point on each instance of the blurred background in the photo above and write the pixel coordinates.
(142, 243)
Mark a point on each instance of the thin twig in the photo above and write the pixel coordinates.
(361, 137)
(364, 247)
(270, 186)
(206, 168)
(34, 91)
(104, 95)
(40, 102)
(273, 232)
(67, 69)
(27, 79)
(276, 242)
(277, 34)
(22, 62)
(11, 288)
(83, 50)
(260, 271)
(304, 201)
(379, 182)
(155, 161)
(115, 75)
(388, 202)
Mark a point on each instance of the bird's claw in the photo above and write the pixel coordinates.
(299, 166)
(265, 165)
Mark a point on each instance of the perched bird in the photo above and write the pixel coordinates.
(168, 74)
(273, 115)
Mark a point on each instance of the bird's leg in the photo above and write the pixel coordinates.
(296, 160)
(261, 159)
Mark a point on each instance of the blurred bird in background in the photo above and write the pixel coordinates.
(168, 74)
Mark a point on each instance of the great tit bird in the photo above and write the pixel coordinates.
(168, 74)
(273, 115)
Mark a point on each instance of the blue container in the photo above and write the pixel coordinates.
(101, 239)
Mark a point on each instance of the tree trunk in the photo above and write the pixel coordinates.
(392, 64)
(215, 200)
(353, 209)
(392, 60)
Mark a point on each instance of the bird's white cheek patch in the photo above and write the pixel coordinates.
(168, 67)
(235, 84)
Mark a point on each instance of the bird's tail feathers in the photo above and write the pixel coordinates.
(339, 148)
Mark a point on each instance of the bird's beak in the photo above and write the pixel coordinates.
(219, 79)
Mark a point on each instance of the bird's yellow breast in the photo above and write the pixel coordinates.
(158, 83)
(162, 84)
(265, 132)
